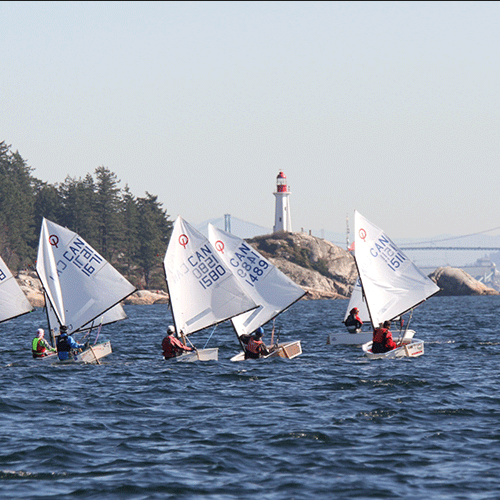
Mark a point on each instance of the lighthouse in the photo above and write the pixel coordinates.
(282, 216)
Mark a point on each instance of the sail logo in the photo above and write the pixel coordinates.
(388, 252)
(54, 240)
(362, 234)
(183, 240)
(2, 275)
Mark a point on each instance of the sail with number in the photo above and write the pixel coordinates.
(13, 302)
(79, 284)
(392, 284)
(272, 290)
(203, 290)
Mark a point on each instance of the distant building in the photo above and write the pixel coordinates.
(282, 216)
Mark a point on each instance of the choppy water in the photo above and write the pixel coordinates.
(328, 424)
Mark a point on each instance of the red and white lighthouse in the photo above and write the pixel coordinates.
(282, 217)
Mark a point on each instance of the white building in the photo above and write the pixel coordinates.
(282, 216)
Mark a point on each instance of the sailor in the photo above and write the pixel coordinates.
(65, 344)
(39, 346)
(255, 347)
(353, 321)
(173, 347)
(382, 339)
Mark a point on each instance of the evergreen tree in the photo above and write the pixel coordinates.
(16, 208)
(130, 217)
(154, 232)
(48, 203)
(108, 213)
(79, 208)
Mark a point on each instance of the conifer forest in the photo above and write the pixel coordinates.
(131, 232)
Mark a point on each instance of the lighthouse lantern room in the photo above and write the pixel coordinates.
(282, 217)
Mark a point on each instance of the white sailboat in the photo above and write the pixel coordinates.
(358, 337)
(79, 285)
(265, 283)
(13, 302)
(392, 284)
(203, 291)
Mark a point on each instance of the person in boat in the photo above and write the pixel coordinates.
(353, 321)
(66, 344)
(382, 339)
(39, 346)
(254, 345)
(172, 346)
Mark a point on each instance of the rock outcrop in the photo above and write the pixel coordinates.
(320, 267)
(453, 281)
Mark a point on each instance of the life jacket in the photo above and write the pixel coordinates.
(379, 335)
(382, 341)
(172, 347)
(63, 344)
(254, 346)
(38, 348)
(169, 350)
(353, 323)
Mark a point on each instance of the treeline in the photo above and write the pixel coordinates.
(130, 232)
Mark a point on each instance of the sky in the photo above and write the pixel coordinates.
(388, 108)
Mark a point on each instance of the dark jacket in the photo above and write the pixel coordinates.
(65, 344)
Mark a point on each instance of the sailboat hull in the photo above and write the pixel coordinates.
(92, 355)
(288, 350)
(411, 349)
(362, 337)
(199, 355)
(349, 338)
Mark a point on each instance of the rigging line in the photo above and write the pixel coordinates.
(206, 343)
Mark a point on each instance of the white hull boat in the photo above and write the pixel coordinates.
(269, 288)
(360, 338)
(391, 283)
(409, 349)
(199, 355)
(287, 350)
(203, 290)
(92, 355)
(80, 288)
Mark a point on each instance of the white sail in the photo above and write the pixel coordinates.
(13, 302)
(116, 313)
(265, 283)
(202, 289)
(358, 300)
(78, 282)
(391, 282)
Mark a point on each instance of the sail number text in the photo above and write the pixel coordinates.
(390, 254)
(80, 255)
(203, 265)
(249, 265)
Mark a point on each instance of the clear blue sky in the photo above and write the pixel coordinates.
(388, 108)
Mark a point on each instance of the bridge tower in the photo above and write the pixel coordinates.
(282, 216)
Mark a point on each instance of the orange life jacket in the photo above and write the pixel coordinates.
(254, 346)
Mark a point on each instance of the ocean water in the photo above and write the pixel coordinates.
(329, 424)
